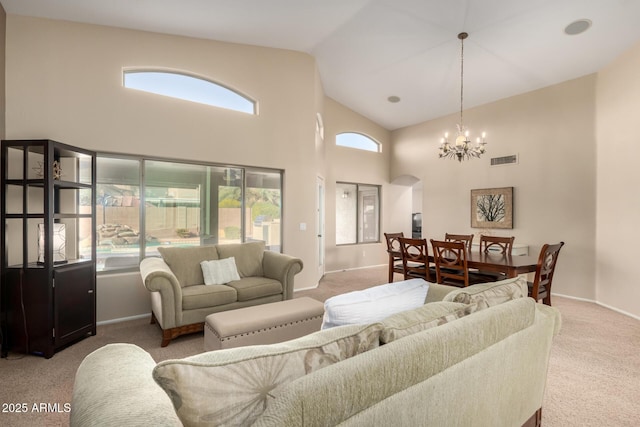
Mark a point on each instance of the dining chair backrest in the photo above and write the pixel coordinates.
(393, 242)
(540, 288)
(415, 258)
(395, 253)
(502, 245)
(467, 239)
(451, 262)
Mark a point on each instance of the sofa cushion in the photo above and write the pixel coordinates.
(234, 386)
(250, 288)
(374, 304)
(492, 293)
(184, 262)
(428, 316)
(203, 296)
(219, 271)
(248, 257)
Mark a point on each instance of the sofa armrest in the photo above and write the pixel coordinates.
(554, 313)
(114, 387)
(283, 268)
(437, 292)
(158, 277)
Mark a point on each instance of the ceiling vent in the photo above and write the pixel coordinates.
(505, 160)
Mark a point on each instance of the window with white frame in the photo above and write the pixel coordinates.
(357, 213)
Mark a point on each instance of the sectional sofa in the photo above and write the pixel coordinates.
(477, 358)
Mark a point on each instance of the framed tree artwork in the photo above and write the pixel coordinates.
(492, 208)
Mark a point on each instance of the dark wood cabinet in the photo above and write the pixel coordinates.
(48, 251)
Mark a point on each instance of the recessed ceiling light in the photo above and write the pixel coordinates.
(393, 99)
(578, 27)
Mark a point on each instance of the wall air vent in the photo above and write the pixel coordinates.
(505, 160)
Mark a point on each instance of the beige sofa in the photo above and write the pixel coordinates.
(180, 301)
(478, 358)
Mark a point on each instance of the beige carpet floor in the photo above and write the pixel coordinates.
(594, 371)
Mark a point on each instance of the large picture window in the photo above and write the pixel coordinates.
(181, 204)
(357, 213)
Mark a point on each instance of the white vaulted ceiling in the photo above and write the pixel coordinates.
(368, 50)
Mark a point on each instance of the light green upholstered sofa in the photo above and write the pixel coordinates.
(180, 300)
(478, 358)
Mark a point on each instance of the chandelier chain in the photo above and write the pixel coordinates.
(461, 79)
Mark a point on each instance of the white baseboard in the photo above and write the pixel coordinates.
(574, 298)
(617, 310)
(355, 268)
(123, 319)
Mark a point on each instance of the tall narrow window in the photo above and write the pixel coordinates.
(263, 203)
(118, 228)
(189, 88)
(368, 213)
(357, 213)
(358, 141)
(228, 186)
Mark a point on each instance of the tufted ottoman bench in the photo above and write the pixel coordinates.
(263, 324)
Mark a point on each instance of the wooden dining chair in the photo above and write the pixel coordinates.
(495, 245)
(451, 263)
(540, 288)
(415, 258)
(467, 239)
(395, 254)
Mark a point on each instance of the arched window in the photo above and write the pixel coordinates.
(357, 140)
(189, 88)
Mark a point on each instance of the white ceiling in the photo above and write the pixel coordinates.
(368, 50)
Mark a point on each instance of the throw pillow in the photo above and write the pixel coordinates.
(248, 257)
(184, 262)
(428, 316)
(374, 304)
(490, 294)
(234, 386)
(219, 271)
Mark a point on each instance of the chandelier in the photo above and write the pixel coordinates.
(462, 149)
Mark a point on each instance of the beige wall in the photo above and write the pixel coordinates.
(64, 82)
(618, 233)
(553, 132)
(361, 167)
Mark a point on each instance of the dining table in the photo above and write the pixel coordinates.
(510, 265)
